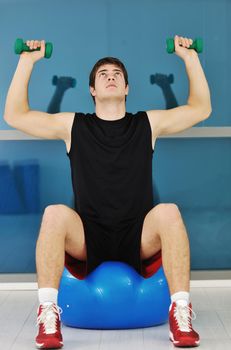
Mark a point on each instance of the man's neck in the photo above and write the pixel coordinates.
(110, 111)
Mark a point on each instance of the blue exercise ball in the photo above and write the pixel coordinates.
(114, 296)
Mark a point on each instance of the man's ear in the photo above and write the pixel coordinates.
(127, 90)
(92, 91)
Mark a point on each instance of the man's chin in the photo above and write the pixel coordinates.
(112, 98)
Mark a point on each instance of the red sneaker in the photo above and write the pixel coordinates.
(49, 334)
(181, 331)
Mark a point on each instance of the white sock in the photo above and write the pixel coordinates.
(48, 295)
(180, 298)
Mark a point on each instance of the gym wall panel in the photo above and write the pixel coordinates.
(19, 225)
(194, 173)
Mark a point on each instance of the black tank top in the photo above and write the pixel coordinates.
(111, 166)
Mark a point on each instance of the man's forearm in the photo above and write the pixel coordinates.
(199, 95)
(17, 97)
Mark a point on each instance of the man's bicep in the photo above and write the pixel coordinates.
(44, 125)
(174, 120)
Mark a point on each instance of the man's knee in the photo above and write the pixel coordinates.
(168, 213)
(54, 214)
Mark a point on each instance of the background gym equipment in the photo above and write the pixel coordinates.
(197, 45)
(20, 47)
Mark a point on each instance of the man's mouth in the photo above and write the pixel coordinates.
(111, 85)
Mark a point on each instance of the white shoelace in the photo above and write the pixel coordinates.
(183, 317)
(48, 317)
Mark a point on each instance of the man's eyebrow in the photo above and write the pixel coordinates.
(102, 70)
(106, 70)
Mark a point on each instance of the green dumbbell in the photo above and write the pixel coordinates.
(197, 45)
(20, 46)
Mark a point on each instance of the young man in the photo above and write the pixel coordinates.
(110, 154)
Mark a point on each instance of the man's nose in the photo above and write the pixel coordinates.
(111, 77)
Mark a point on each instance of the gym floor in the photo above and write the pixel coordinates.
(213, 322)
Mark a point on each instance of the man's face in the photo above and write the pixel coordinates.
(109, 83)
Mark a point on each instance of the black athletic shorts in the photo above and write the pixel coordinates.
(113, 241)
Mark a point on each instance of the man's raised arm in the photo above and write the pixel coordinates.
(198, 107)
(17, 111)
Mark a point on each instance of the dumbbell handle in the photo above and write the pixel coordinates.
(20, 47)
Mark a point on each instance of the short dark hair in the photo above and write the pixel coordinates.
(101, 62)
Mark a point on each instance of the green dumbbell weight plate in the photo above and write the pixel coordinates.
(199, 45)
(170, 45)
(18, 46)
(48, 50)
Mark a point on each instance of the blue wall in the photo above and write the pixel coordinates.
(194, 173)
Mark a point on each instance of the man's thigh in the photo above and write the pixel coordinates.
(75, 244)
(150, 239)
